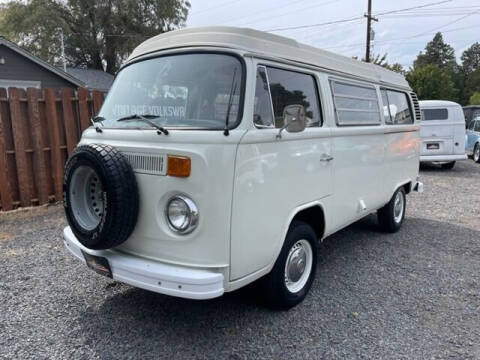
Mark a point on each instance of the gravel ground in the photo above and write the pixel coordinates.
(414, 294)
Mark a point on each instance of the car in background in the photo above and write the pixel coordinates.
(472, 139)
(442, 133)
(471, 112)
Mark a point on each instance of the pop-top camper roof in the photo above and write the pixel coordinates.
(267, 45)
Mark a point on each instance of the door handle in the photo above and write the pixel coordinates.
(326, 157)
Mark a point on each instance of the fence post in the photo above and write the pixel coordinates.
(83, 112)
(70, 131)
(97, 101)
(5, 186)
(39, 158)
(56, 156)
(18, 130)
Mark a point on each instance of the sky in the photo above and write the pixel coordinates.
(400, 34)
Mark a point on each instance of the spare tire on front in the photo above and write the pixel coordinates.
(100, 196)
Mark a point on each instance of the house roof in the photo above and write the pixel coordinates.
(262, 44)
(44, 64)
(93, 78)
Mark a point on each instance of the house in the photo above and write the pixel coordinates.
(92, 78)
(19, 68)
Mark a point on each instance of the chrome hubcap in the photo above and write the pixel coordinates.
(86, 197)
(398, 207)
(298, 266)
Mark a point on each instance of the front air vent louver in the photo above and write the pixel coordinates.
(147, 163)
(418, 114)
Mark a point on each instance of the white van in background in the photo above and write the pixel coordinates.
(442, 132)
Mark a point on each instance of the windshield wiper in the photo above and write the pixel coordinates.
(96, 119)
(230, 101)
(146, 119)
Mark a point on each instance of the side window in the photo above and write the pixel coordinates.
(262, 113)
(471, 126)
(399, 107)
(477, 125)
(355, 104)
(294, 88)
(435, 114)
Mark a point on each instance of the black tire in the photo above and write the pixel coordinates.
(476, 153)
(448, 165)
(386, 215)
(118, 195)
(277, 293)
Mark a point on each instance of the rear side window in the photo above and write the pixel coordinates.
(294, 88)
(396, 107)
(477, 125)
(435, 114)
(355, 104)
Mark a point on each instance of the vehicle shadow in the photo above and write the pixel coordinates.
(356, 264)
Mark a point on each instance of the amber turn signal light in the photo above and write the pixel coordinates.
(178, 166)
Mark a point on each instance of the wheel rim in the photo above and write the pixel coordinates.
(86, 197)
(298, 266)
(477, 153)
(398, 207)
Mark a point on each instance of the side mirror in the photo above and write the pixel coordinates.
(294, 119)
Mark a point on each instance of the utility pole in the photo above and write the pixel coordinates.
(62, 47)
(369, 17)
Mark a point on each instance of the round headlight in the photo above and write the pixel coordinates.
(181, 214)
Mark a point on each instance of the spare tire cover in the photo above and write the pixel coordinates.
(100, 196)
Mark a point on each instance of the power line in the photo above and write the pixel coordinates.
(354, 18)
(215, 7)
(315, 25)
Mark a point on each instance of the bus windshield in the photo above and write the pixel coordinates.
(187, 90)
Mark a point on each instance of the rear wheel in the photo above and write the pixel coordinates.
(476, 153)
(448, 165)
(294, 271)
(390, 217)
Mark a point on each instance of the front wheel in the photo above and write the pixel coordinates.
(390, 217)
(294, 271)
(476, 153)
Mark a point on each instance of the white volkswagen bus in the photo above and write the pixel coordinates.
(442, 132)
(222, 156)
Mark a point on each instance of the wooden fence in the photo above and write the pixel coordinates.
(38, 131)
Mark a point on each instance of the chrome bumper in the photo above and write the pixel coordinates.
(154, 276)
(442, 158)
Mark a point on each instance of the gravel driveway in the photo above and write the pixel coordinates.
(414, 294)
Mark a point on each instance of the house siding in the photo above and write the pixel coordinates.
(18, 67)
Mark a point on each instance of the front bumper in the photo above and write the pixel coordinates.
(442, 158)
(162, 278)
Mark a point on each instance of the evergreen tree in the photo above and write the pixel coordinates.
(438, 53)
(432, 83)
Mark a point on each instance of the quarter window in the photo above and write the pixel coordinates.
(435, 114)
(294, 88)
(355, 104)
(477, 125)
(262, 114)
(397, 105)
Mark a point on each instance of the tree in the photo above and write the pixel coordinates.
(97, 33)
(437, 52)
(475, 98)
(381, 60)
(471, 59)
(432, 83)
